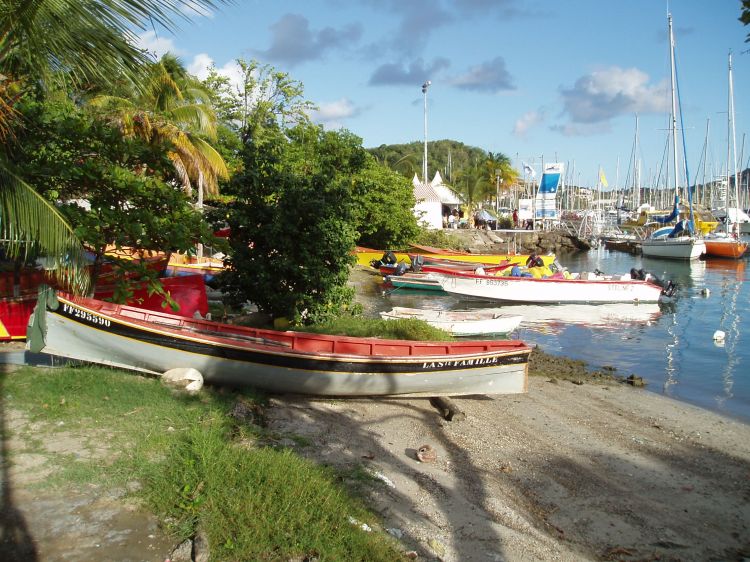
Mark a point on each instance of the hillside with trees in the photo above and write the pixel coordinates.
(473, 172)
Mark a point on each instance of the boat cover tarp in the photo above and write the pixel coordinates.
(671, 216)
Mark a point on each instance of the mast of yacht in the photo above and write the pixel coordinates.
(637, 168)
(673, 114)
(731, 148)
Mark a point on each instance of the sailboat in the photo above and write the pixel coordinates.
(726, 244)
(678, 241)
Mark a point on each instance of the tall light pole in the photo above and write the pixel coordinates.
(424, 161)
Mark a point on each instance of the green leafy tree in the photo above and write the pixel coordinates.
(89, 42)
(745, 16)
(126, 184)
(291, 221)
(383, 207)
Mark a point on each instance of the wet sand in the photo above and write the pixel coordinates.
(580, 468)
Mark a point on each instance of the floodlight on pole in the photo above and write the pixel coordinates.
(424, 161)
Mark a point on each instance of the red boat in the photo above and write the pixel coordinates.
(301, 363)
(189, 292)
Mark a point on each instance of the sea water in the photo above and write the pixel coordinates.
(673, 346)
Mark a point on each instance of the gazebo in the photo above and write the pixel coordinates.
(434, 200)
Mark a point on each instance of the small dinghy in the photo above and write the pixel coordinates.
(460, 322)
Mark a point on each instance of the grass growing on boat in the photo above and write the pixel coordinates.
(401, 329)
(198, 468)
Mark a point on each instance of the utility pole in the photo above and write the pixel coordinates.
(424, 161)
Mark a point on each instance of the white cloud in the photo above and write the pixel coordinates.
(157, 45)
(202, 62)
(527, 121)
(491, 76)
(332, 114)
(614, 91)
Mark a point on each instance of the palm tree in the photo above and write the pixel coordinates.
(474, 186)
(172, 109)
(96, 44)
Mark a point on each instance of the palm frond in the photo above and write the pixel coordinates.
(197, 117)
(90, 40)
(29, 222)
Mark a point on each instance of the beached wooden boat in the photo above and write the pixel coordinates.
(578, 288)
(295, 362)
(460, 322)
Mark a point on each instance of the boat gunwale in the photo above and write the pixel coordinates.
(175, 330)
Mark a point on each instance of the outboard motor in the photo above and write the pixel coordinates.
(401, 268)
(389, 258)
(668, 288)
(417, 262)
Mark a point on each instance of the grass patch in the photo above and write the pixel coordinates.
(401, 329)
(438, 239)
(196, 469)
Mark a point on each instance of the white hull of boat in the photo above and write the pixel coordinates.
(682, 248)
(153, 342)
(531, 290)
(460, 323)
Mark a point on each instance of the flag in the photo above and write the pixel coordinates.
(528, 170)
(603, 178)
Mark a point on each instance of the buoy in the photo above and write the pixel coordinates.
(705, 291)
(719, 335)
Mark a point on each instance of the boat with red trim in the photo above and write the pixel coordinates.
(296, 362)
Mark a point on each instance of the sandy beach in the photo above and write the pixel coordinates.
(573, 470)
(579, 468)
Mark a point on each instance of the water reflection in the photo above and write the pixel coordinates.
(670, 344)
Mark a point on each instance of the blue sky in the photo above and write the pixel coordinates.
(535, 80)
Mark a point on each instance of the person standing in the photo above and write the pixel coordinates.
(515, 218)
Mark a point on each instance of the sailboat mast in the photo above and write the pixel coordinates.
(731, 131)
(673, 116)
(637, 166)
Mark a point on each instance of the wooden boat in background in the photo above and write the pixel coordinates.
(14, 316)
(365, 256)
(189, 293)
(590, 288)
(296, 362)
(415, 281)
(181, 264)
(482, 321)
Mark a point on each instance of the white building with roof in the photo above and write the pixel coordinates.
(434, 200)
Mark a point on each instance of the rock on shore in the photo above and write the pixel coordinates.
(519, 241)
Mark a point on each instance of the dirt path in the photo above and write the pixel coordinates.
(567, 472)
(81, 523)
